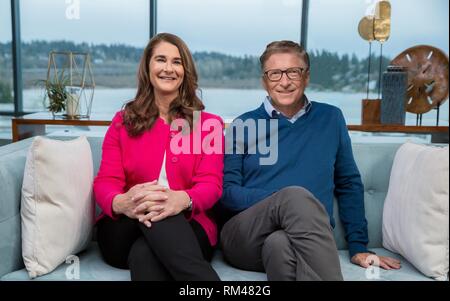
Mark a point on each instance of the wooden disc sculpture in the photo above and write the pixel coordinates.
(365, 28)
(376, 27)
(382, 31)
(427, 77)
(382, 21)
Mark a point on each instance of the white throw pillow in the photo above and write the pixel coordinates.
(57, 209)
(416, 209)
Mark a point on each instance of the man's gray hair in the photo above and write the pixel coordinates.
(283, 46)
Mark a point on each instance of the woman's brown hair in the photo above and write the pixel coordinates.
(141, 113)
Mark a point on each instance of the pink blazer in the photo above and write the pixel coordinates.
(128, 161)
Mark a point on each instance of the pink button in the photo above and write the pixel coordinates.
(174, 159)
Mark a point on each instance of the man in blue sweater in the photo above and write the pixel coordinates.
(282, 208)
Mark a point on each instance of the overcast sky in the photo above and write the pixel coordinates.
(230, 26)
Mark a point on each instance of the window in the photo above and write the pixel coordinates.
(333, 40)
(407, 31)
(226, 39)
(113, 32)
(6, 74)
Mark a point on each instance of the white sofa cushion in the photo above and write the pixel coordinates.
(57, 209)
(416, 209)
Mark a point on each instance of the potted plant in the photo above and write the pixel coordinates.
(57, 95)
(69, 88)
(62, 97)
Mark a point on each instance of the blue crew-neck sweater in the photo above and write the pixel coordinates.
(313, 152)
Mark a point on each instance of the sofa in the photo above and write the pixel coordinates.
(374, 162)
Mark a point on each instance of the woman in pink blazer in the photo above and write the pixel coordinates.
(161, 173)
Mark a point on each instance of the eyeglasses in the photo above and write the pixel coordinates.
(294, 73)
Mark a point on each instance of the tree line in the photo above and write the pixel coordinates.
(116, 66)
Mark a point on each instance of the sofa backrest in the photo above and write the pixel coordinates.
(374, 162)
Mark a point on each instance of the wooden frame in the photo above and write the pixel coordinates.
(34, 124)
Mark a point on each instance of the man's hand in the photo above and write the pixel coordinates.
(367, 259)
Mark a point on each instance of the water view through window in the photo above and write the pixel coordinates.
(226, 40)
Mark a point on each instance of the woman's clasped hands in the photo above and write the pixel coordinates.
(150, 202)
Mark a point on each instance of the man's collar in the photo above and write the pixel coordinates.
(274, 113)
